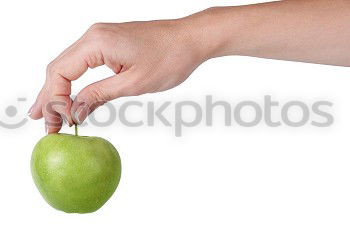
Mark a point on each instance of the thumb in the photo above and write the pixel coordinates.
(98, 93)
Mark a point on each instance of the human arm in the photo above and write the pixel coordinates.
(158, 55)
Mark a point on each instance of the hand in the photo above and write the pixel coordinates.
(146, 57)
(154, 56)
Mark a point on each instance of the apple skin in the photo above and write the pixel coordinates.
(75, 174)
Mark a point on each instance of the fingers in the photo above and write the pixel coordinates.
(35, 112)
(53, 120)
(55, 112)
(53, 102)
(62, 106)
(98, 93)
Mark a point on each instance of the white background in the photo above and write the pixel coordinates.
(210, 179)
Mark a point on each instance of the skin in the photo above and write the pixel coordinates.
(154, 56)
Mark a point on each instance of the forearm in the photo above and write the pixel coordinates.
(158, 55)
(315, 31)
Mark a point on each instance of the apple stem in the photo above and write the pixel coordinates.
(76, 129)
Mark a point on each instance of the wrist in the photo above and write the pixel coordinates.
(210, 32)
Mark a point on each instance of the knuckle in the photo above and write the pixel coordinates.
(103, 33)
(51, 67)
(97, 31)
(97, 95)
(96, 27)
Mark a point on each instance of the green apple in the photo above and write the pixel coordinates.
(75, 174)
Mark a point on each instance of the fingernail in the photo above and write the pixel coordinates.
(81, 113)
(30, 110)
(76, 116)
(65, 120)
